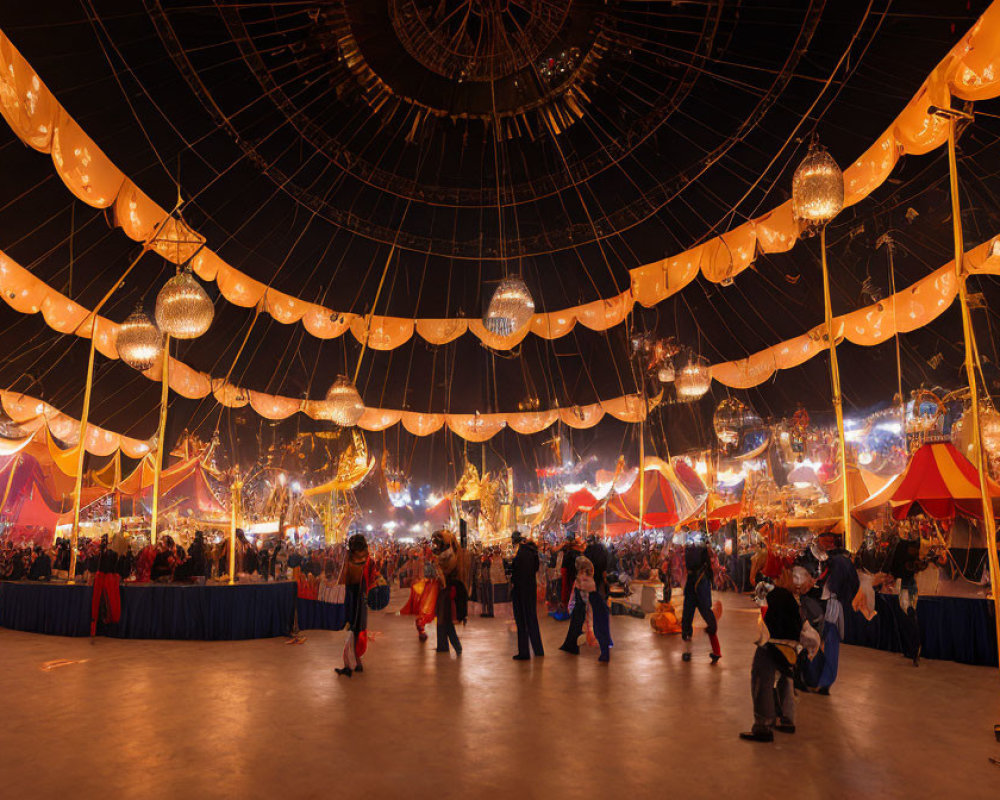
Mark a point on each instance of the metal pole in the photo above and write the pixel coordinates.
(235, 502)
(642, 473)
(85, 415)
(838, 404)
(989, 523)
(161, 435)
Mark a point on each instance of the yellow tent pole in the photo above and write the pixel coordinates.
(989, 523)
(642, 472)
(160, 436)
(838, 402)
(10, 481)
(85, 415)
(233, 524)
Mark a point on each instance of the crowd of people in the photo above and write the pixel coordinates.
(805, 589)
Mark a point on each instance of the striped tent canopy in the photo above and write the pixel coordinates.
(580, 500)
(941, 482)
(664, 495)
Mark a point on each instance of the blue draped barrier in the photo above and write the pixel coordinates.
(169, 611)
(951, 628)
(154, 611)
(315, 615)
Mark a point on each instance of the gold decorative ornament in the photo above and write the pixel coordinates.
(183, 308)
(138, 341)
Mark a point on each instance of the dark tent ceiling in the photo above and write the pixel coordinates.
(308, 138)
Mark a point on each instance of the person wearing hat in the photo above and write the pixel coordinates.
(524, 598)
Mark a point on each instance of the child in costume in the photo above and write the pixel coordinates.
(359, 574)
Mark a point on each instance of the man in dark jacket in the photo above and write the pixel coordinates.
(524, 588)
(598, 555)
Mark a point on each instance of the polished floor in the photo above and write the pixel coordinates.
(152, 719)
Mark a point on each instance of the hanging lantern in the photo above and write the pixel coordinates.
(510, 308)
(666, 373)
(183, 309)
(729, 420)
(343, 403)
(924, 412)
(139, 342)
(694, 379)
(817, 187)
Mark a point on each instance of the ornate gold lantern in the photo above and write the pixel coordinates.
(183, 308)
(138, 341)
(817, 187)
(694, 379)
(510, 308)
(343, 403)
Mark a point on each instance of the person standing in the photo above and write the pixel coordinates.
(839, 584)
(772, 671)
(453, 597)
(698, 596)
(358, 575)
(904, 564)
(523, 577)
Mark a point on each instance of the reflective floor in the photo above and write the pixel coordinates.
(144, 719)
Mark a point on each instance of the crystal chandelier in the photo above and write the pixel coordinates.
(183, 309)
(729, 420)
(817, 187)
(666, 373)
(694, 379)
(138, 341)
(343, 403)
(510, 308)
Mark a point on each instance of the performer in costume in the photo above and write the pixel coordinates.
(453, 597)
(698, 595)
(358, 574)
(590, 611)
(783, 635)
(838, 586)
(523, 578)
(904, 563)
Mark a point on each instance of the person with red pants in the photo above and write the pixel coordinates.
(698, 596)
(106, 586)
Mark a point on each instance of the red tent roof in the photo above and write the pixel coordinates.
(580, 500)
(941, 482)
(666, 498)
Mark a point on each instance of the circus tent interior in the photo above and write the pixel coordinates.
(644, 275)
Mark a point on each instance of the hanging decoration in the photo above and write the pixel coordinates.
(138, 341)
(924, 412)
(694, 379)
(343, 404)
(183, 308)
(968, 71)
(729, 420)
(817, 187)
(666, 373)
(510, 308)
